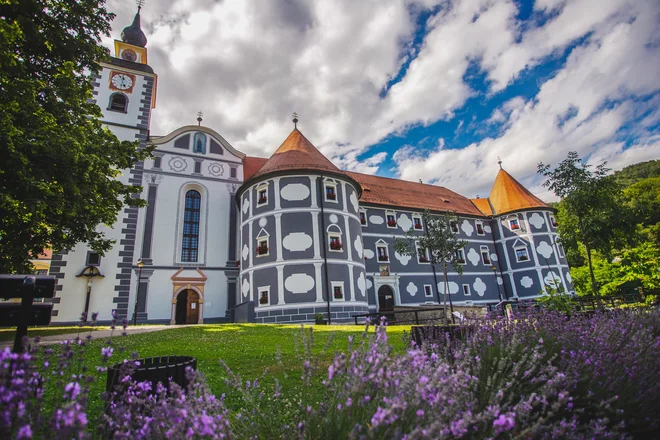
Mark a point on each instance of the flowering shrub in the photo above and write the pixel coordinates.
(540, 375)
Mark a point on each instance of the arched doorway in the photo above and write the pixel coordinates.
(187, 307)
(385, 299)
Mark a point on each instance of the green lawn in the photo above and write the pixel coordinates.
(248, 349)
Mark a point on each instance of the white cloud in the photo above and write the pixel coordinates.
(248, 65)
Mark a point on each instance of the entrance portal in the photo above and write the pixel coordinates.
(385, 299)
(187, 307)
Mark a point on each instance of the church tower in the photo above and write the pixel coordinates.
(125, 88)
(125, 91)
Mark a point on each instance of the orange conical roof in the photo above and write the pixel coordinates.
(296, 153)
(509, 195)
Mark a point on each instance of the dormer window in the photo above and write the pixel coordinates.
(391, 219)
(454, 227)
(363, 218)
(485, 255)
(381, 253)
(330, 192)
(460, 256)
(417, 223)
(480, 228)
(118, 103)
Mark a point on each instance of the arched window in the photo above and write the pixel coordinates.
(189, 247)
(199, 145)
(118, 102)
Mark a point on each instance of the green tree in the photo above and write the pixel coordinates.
(59, 168)
(440, 243)
(644, 199)
(595, 213)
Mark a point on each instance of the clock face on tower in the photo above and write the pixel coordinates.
(122, 81)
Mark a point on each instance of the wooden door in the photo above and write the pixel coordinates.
(192, 314)
(385, 299)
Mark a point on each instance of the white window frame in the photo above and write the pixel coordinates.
(393, 214)
(339, 284)
(382, 244)
(476, 224)
(262, 187)
(337, 235)
(267, 240)
(517, 220)
(481, 251)
(515, 251)
(560, 251)
(426, 254)
(330, 184)
(261, 290)
(366, 221)
(426, 295)
(453, 227)
(421, 223)
(462, 251)
(553, 219)
(469, 291)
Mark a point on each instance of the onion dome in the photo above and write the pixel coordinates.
(133, 34)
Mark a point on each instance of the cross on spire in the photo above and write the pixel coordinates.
(199, 117)
(139, 3)
(499, 162)
(295, 120)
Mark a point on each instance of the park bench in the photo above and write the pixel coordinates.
(25, 313)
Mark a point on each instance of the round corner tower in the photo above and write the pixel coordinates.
(301, 249)
(525, 229)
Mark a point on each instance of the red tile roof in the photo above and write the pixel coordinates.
(251, 165)
(509, 195)
(296, 153)
(401, 193)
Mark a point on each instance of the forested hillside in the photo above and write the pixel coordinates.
(634, 260)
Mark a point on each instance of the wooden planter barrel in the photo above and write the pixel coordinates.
(156, 369)
(437, 334)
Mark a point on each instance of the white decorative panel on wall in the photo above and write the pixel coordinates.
(297, 241)
(294, 192)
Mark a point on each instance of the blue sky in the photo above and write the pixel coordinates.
(416, 89)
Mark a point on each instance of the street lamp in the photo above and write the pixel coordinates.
(140, 265)
(497, 282)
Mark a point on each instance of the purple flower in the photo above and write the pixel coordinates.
(504, 423)
(72, 389)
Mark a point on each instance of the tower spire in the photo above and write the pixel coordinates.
(133, 34)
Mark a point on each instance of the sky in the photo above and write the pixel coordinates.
(414, 89)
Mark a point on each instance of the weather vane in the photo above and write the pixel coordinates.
(139, 3)
(199, 117)
(499, 162)
(295, 120)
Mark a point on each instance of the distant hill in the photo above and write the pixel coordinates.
(639, 171)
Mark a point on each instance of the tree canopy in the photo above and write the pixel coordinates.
(593, 212)
(438, 242)
(58, 175)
